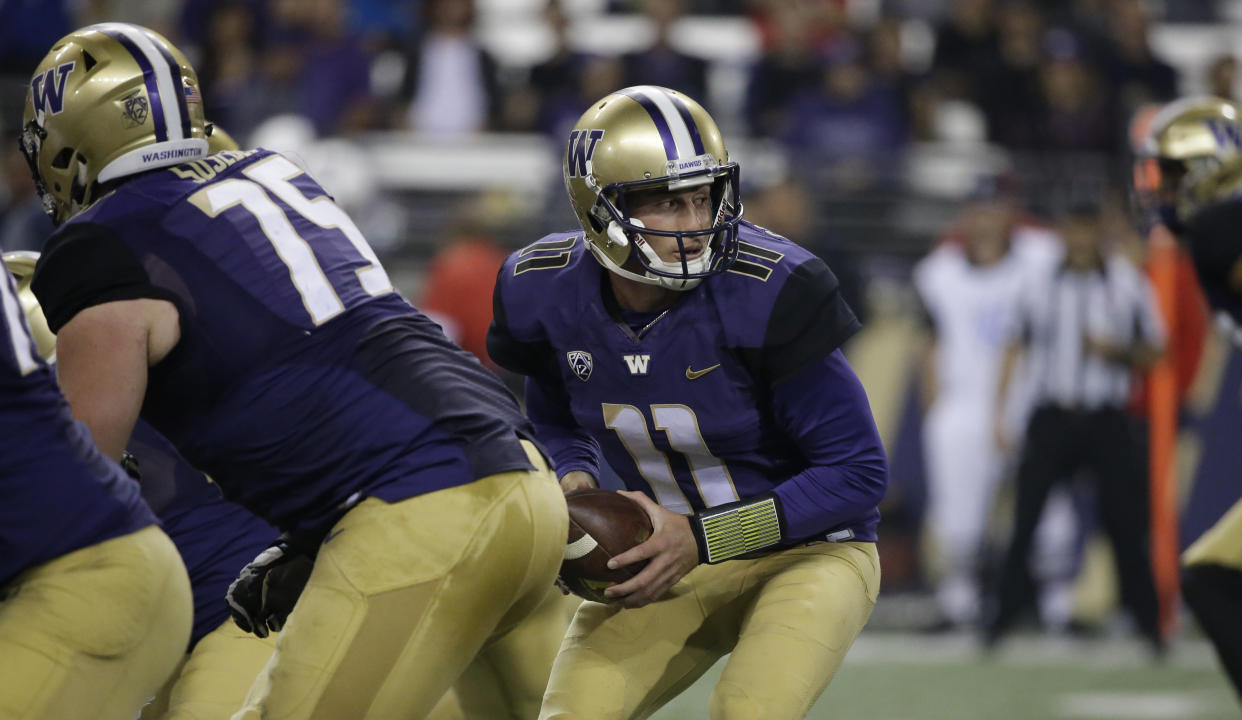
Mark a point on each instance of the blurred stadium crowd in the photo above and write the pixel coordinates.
(870, 131)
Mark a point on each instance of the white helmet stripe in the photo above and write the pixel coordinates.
(676, 125)
(167, 86)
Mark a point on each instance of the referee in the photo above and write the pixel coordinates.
(1087, 324)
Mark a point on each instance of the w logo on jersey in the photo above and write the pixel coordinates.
(47, 91)
(581, 147)
(637, 363)
(580, 363)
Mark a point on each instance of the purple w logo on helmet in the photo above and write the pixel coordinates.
(581, 148)
(48, 90)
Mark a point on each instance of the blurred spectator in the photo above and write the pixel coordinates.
(229, 69)
(334, 79)
(458, 289)
(451, 84)
(1075, 113)
(793, 35)
(23, 224)
(884, 55)
(1222, 77)
(1008, 89)
(660, 63)
(848, 120)
(968, 289)
(552, 100)
(965, 42)
(1134, 73)
(1089, 322)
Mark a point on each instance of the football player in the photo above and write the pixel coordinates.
(233, 303)
(94, 601)
(1197, 143)
(701, 356)
(215, 538)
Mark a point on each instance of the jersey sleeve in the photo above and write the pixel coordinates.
(547, 405)
(531, 356)
(809, 320)
(570, 446)
(824, 409)
(86, 265)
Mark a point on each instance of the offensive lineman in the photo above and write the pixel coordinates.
(94, 601)
(701, 355)
(232, 302)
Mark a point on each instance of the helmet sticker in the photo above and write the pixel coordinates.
(48, 90)
(581, 148)
(136, 110)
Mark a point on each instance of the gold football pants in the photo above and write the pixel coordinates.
(1221, 544)
(788, 619)
(95, 632)
(507, 679)
(404, 595)
(211, 682)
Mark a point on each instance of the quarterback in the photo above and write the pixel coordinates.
(1198, 145)
(234, 305)
(700, 355)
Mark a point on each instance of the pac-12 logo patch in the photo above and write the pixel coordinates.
(581, 148)
(47, 91)
(136, 110)
(581, 363)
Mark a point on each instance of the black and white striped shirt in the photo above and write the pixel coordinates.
(1060, 307)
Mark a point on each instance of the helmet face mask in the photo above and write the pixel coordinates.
(645, 139)
(108, 101)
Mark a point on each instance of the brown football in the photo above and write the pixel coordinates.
(602, 524)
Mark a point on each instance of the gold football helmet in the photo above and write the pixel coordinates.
(22, 265)
(107, 101)
(643, 138)
(1197, 143)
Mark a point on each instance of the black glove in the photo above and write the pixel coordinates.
(265, 591)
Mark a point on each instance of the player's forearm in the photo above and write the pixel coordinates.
(821, 498)
(825, 410)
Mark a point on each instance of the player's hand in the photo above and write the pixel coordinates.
(671, 550)
(576, 480)
(265, 591)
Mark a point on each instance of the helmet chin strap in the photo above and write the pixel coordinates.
(617, 235)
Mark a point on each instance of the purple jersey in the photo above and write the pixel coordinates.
(735, 391)
(57, 492)
(216, 538)
(300, 379)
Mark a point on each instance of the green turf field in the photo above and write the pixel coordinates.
(897, 676)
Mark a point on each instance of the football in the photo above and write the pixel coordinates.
(602, 524)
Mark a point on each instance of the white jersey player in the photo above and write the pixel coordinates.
(969, 289)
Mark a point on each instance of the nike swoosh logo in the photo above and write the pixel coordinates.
(696, 374)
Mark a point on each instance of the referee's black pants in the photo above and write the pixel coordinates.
(1059, 442)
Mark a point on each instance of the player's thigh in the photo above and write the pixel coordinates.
(507, 679)
(619, 663)
(96, 632)
(812, 603)
(405, 594)
(213, 682)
